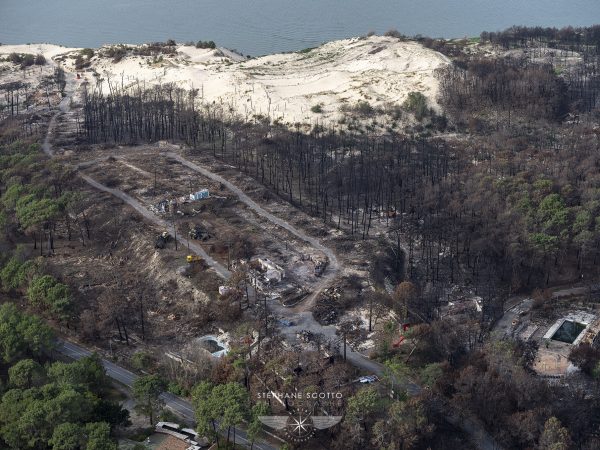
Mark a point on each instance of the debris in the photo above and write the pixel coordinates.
(368, 379)
(304, 335)
(225, 290)
(199, 233)
(161, 207)
(327, 309)
(320, 266)
(293, 294)
(162, 240)
(272, 271)
(264, 273)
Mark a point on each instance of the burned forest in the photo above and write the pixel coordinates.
(494, 216)
(394, 241)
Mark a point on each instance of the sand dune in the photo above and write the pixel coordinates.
(286, 86)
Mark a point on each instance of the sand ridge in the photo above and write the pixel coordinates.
(287, 86)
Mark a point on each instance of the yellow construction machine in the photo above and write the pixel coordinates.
(193, 258)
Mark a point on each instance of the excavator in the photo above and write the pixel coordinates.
(193, 259)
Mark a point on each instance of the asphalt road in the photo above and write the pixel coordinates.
(178, 405)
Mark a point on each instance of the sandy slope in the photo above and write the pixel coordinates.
(284, 86)
(48, 50)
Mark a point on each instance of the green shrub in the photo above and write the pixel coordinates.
(141, 434)
(46, 292)
(206, 44)
(87, 52)
(416, 103)
(318, 109)
(364, 108)
(166, 415)
(38, 289)
(431, 373)
(28, 60)
(15, 274)
(80, 63)
(141, 360)
(176, 389)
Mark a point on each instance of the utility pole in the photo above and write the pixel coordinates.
(266, 314)
(229, 255)
(175, 232)
(174, 227)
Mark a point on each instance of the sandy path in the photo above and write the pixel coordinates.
(63, 107)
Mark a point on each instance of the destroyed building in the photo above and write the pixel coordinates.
(264, 273)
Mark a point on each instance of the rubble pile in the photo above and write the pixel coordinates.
(328, 307)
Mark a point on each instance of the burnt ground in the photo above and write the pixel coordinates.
(179, 306)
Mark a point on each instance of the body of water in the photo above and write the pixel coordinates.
(257, 27)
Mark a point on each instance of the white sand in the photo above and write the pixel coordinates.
(48, 50)
(377, 70)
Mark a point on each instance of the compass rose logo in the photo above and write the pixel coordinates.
(300, 425)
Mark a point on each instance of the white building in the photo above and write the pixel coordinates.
(200, 195)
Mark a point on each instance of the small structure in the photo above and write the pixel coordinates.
(257, 280)
(187, 435)
(202, 194)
